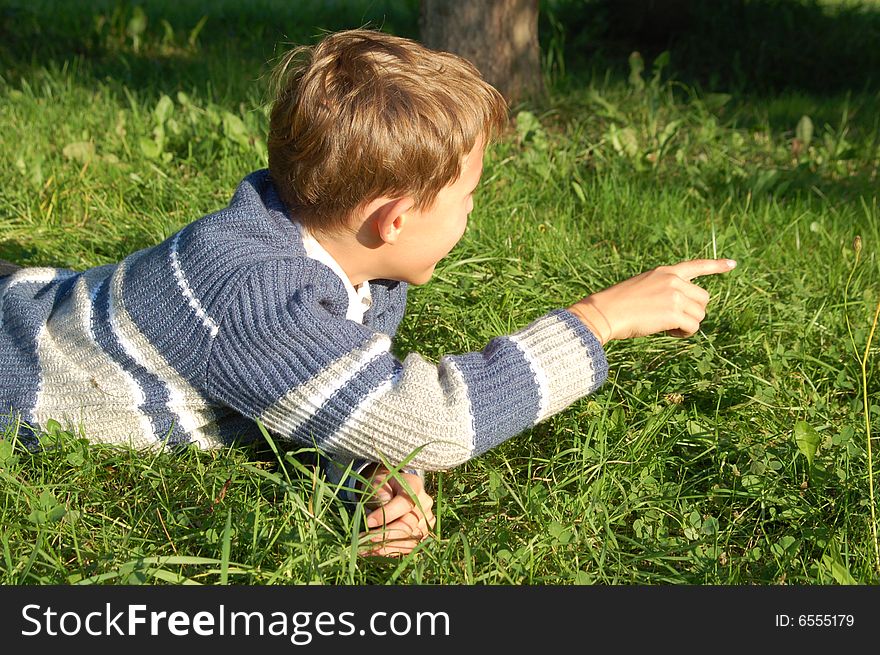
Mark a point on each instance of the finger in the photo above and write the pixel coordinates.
(379, 497)
(391, 550)
(404, 527)
(688, 327)
(390, 535)
(399, 529)
(692, 291)
(423, 504)
(426, 507)
(414, 482)
(696, 267)
(396, 534)
(420, 525)
(694, 310)
(425, 523)
(429, 520)
(393, 510)
(686, 317)
(407, 484)
(423, 529)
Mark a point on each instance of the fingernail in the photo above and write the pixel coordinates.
(731, 263)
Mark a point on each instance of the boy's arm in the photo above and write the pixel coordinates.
(282, 358)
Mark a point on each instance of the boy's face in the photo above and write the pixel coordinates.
(430, 234)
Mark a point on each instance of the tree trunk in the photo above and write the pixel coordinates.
(500, 37)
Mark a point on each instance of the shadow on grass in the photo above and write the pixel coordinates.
(161, 46)
(750, 47)
(848, 183)
(15, 252)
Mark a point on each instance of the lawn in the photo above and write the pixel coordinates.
(738, 456)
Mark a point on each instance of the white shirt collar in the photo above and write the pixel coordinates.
(360, 298)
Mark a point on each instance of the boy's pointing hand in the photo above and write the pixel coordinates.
(661, 300)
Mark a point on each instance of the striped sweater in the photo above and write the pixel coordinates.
(228, 321)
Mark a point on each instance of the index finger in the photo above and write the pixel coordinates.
(696, 267)
(393, 510)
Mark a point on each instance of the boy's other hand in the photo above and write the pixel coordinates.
(398, 521)
(661, 300)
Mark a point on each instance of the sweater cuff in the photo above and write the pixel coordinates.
(566, 358)
(344, 473)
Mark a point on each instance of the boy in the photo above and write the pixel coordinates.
(282, 306)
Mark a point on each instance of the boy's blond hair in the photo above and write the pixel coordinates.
(364, 114)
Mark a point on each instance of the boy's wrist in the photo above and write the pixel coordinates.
(593, 318)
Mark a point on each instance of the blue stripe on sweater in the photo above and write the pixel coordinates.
(330, 418)
(157, 306)
(274, 339)
(505, 398)
(212, 253)
(166, 424)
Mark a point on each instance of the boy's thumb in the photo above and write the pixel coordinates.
(380, 496)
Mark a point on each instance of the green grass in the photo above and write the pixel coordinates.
(683, 468)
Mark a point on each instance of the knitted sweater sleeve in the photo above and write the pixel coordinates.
(284, 357)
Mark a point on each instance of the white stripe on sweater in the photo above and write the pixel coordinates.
(401, 416)
(520, 341)
(39, 275)
(207, 321)
(25, 275)
(554, 348)
(79, 381)
(299, 404)
(197, 418)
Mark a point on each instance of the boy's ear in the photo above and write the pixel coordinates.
(391, 217)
